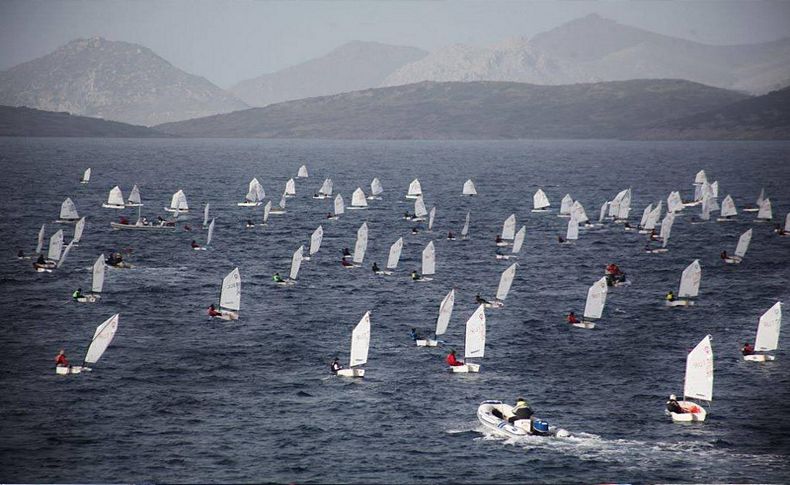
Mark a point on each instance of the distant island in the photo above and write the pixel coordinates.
(33, 122)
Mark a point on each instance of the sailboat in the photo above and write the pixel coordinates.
(469, 188)
(572, 233)
(358, 199)
(428, 263)
(465, 229)
(645, 217)
(517, 243)
(602, 214)
(652, 219)
(178, 203)
(68, 211)
(205, 215)
(65, 254)
(40, 241)
(315, 242)
(97, 283)
(728, 211)
(302, 173)
(540, 203)
(666, 231)
(419, 210)
(375, 190)
(674, 202)
(593, 308)
(508, 230)
(267, 209)
(698, 384)
(115, 199)
(700, 178)
(415, 189)
(394, 257)
(505, 282)
(290, 188)
(340, 207)
(296, 264)
(765, 213)
(280, 209)
(208, 237)
(53, 253)
(758, 204)
(255, 195)
(578, 213)
(86, 176)
(134, 199)
(623, 207)
(79, 228)
(360, 246)
(102, 338)
(740, 249)
(565, 206)
(325, 191)
(230, 296)
(689, 285)
(786, 228)
(431, 217)
(360, 344)
(445, 312)
(474, 343)
(767, 334)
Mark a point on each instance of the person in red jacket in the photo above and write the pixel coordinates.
(212, 311)
(572, 318)
(452, 360)
(60, 359)
(747, 349)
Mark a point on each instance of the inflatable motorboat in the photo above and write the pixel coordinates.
(493, 415)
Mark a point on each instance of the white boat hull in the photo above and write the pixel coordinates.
(140, 227)
(180, 211)
(423, 279)
(584, 324)
(759, 358)
(540, 210)
(90, 298)
(226, 315)
(697, 413)
(679, 303)
(465, 368)
(725, 219)
(413, 196)
(426, 342)
(113, 206)
(733, 260)
(74, 369)
(494, 304)
(351, 372)
(356, 208)
(248, 204)
(751, 209)
(657, 251)
(519, 429)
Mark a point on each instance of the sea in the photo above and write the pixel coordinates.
(178, 397)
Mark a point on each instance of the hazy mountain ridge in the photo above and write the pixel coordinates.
(21, 121)
(115, 81)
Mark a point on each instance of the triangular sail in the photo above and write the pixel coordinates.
(55, 246)
(79, 228)
(509, 227)
(115, 197)
(429, 259)
(714, 189)
(519, 240)
(743, 243)
(445, 312)
(761, 197)
(419, 207)
(765, 210)
(179, 201)
(596, 299)
(415, 188)
(97, 284)
(375, 187)
(40, 241)
(602, 214)
(266, 210)
(290, 187)
(653, 217)
(315, 240)
(465, 229)
(469, 188)
(394, 256)
(282, 201)
(362, 243)
(86, 177)
(699, 372)
(134, 196)
(690, 280)
(706, 208)
(787, 223)
(65, 254)
(566, 204)
(302, 173)
(539, 200)
(573, 229)
(358, 198)
(578, 212)
(210, 232)
(768, 329)
(625, 205)
(431, 217)
(700, 178)
(475, 341)
(645, 215)
(340, 206)
(728, 207)
(326, 187)
(674, 202)
(255, 192)
(205, 215)
(505, 281)
(360, 341)
(296, 262)
(102, 338)
(68, 211)
(230, 297)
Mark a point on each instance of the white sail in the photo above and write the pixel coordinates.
(429, 259)
(415, 188)
(375, 187)
(509, 227)
(645, 215)
(743, 243)
(666, 228)
(625, 206)
(282, 201)
(475, 341)
(68, 211)
(577, 210)
(255, 192)
(179, 201)
(714, 204)
(315, 240)
(765, 210)
(573, 229)
(326, 188)
(362, 243)
(86, 177)
(787, 223)
(230, 297)
(519, 240)
(358, 198)
(690, 280)
(505, 281)
(65, 254)
(419, 207)
(40, 243)
(266, 210)
(674, 202)
(469, 188)
(700, 178)
(714, 189)
(79, 228)
(102, 338)
(360, 341)
(210, 232)
(566, 204)
(445, 312)
(602, 214)
(55, 246)
(97, 283)
(431, 217)
(539, 200)
(465, 229)
(614, 205)
(296, 262)
(728, 207)
(134, 197)
(761, 197)
(768, 329)
(302, 173)
(340, 206)
(596, 299)
(290, 187)
(699, 372)
(394, 256)
(653, 217)
(706, 208)
(115, 197)
(205, 215)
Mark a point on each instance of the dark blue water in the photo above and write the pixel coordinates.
(179, 398)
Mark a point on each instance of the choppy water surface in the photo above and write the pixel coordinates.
(180, 398)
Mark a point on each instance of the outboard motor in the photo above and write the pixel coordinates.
(540, 427)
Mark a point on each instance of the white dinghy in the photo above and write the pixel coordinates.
(652, 219)
(97, 284)
(209, 236)
(115, 199)
(666, 231)
(494, 414)
(339, 206)
(572, 233)
(394, 257)
(517, 243)
(674, 202)
(700, 178)
(302, 173)
(255, 195)
(420, 211)
(315, 242)
(360, 246)
(134, 199)
(465, 229)
(784, 232)
(469, 188)
(79, 228)
(325, 191)
(431, 218)
(624, 207)
(102, 338)
(230, 296)
(765, 213)
(602, 213)
(296, 264)
(442, 321)
(53, 253)
(267, 209)
(767, 334)
(68, 211)
(86, 176)
(360, 344)
(508, 230)
(428, 263)
(689, 285)
(415, 189)
(505, 282)
(358, 199)
(565, 206)
(728, 211)
(740, 249)
(290, 188)
(280, 208)
(593, 308)
(698, 384)
(40, 240)
(474, 343)
(540, 203)
(758, 203)
(578, 213)
(178, 203)
(375, 190)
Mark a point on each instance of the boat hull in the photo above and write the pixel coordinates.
(675, 303)
(141, 227)
(351, 372)
(584, 324)
(113, 206)
(520, 428)
(696, 413)
(90, 298)
(465, 369)
(758, 358)
(426, 342)
(73, 369)
(248, 204)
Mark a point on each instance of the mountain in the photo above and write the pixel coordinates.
(112, 80)
(473, 110)
(592, 49)
(351, 67)
(764, 117)
(21, 121)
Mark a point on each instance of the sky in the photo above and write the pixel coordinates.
(227, 41)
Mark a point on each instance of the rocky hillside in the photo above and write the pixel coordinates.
(19, 121)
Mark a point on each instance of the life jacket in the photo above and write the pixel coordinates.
(76, 294)
(452, 360)
(61, 361)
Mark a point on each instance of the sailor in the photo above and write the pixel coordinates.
(415, 275)
(77, 294)
(277, 278)
(452, 360)
(195, 245)
(747, 349)
(124, 220)
(480, 300)
(60, 359)
(498, 239)
(115, 259)
(20, 254)
(336, 365)
(520, 411)
(41, 260)
(414, 335)
(329, 215)
(653, 235)
(406, 215)
(673, 406)
(560, 239)
(723, 255)
(212, 311)
(670, 296)
(627, 226)
(572, 318)
(250, 223)
(450, 235)
(414, 230)
(346, 253)
(376, 268)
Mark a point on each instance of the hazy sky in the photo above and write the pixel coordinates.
(227, 41)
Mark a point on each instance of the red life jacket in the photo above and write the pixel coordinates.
(453, 361)
(61, 361)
